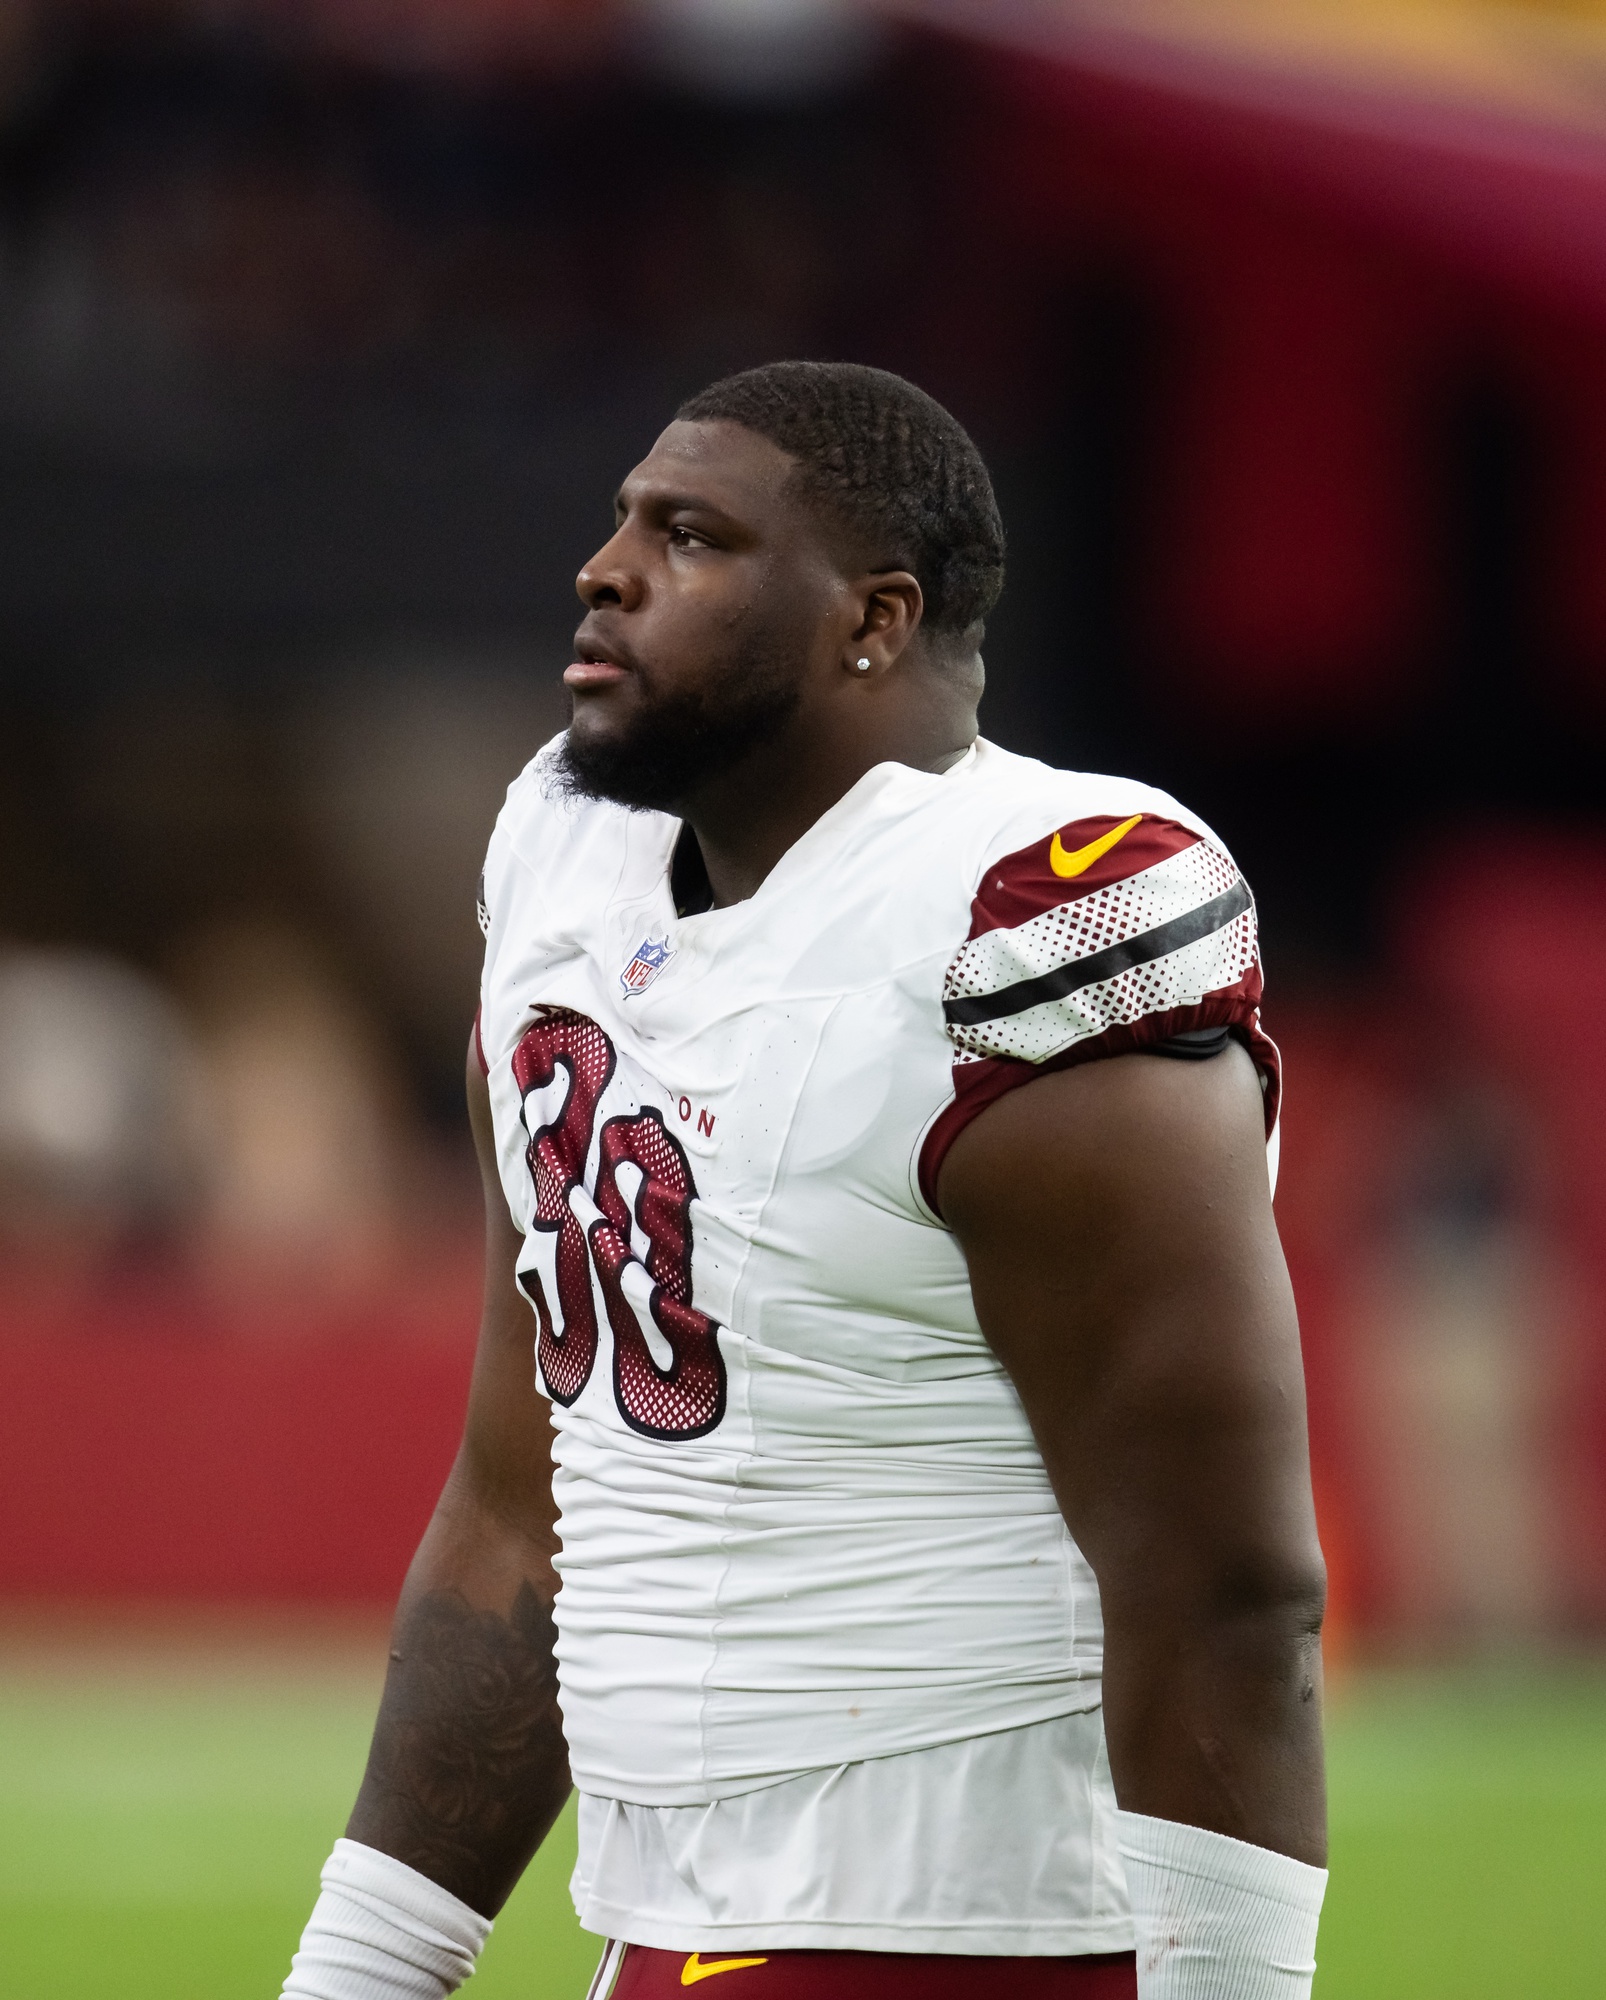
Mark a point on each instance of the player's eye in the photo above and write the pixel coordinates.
(683, 538)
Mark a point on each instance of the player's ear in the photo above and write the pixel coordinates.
(892, 607)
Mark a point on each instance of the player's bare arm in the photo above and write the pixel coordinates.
(468, 1767)
(1117, 1223)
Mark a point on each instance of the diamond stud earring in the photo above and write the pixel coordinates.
(862, 665)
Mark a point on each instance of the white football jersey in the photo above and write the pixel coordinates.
(803, 1518)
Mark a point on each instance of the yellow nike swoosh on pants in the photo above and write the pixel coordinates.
(694, 1968)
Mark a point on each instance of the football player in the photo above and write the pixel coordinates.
(876, 1129)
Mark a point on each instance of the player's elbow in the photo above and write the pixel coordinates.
(1278, 1591)
(499, 1500)
(1267, 1588)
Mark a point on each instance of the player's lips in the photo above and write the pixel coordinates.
(600, 661)
(587, 676)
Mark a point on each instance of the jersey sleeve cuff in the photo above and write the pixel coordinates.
(982, 1082)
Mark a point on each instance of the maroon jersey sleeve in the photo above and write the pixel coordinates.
(1105, 937)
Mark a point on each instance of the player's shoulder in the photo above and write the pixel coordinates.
(544, 826)
(1056, 852)
(541, 810)
(1022, 815)
(1105, 919)
(553, 856)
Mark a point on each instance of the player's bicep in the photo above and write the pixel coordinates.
(1117, 1223)
(506, 1457)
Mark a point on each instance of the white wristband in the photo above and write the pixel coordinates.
(1215, 1918)
(382, 1931)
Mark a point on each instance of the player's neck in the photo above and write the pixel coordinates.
(746, 819)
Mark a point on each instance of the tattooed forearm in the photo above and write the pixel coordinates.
(468, 1767)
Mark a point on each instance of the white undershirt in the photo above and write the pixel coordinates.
(1001, 1844)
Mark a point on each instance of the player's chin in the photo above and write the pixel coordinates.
(604, 714)
(610, 756)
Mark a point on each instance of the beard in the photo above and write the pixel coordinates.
(677, 744)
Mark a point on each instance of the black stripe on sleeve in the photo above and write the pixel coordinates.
(1101, 965)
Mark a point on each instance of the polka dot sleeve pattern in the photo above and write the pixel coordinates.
(1105, 937)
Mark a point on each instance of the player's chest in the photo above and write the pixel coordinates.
(634, 1082)
(639, 1146)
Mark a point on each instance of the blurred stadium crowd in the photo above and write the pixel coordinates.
(326, 331)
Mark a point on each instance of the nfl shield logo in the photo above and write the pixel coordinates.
(645, 967)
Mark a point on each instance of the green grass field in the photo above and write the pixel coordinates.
(164, 1809)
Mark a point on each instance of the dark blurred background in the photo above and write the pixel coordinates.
(326, 332)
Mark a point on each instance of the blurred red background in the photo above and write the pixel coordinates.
(325, 334)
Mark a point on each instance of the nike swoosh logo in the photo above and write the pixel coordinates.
(1082, 860)
(694, 1968)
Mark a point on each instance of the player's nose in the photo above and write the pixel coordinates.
(609, 577)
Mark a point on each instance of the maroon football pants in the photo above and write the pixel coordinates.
(646, 1974)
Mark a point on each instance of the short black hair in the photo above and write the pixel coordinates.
(889, 463)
